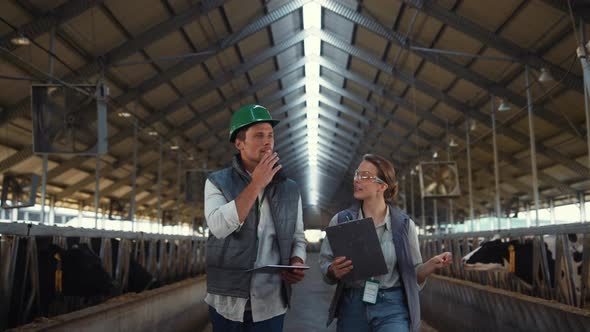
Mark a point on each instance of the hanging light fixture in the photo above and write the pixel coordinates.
(452, 143)
(472, 125)
(504, 106)
(20, 40)
(435, 154)
(545, 76)
(174, 145)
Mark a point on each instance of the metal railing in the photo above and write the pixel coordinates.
(168, 258)
(567, 287)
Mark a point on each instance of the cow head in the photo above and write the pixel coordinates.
(490, 256)
(83, 273)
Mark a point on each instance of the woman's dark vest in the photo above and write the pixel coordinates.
(400, 224)
(229, 258)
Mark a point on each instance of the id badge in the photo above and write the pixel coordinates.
(370, 291)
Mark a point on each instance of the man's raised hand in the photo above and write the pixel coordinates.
(266, 169)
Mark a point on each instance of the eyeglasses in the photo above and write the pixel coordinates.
(365, 176)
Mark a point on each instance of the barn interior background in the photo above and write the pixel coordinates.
(113, 113)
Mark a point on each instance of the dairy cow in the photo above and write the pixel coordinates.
(39, 289)
(494, 255)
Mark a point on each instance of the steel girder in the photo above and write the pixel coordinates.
(147, 38)
(448, 65)
(403, 103)
(563, 6)
(490, 39)
(121, 52)
(451, 66)
(105, 171)
(211, 86)
(54, 18)
(460, 106)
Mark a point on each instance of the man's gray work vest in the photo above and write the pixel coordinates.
(229, 258)
(400, 224)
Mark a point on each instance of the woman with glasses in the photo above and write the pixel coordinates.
(393, 303)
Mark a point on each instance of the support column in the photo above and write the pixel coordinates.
(45, 157)
(80, 208)
(412, 175)
(496, 167)
(133, 176)
(435, 216)
(582, 201)
(532, 143)
(583, 56)
(552, 210)
(469, 181)
(160, 221)
(423, 214)
(97, 192)
(51, 220)
(528, 214)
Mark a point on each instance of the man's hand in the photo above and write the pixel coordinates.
(265, 170)
(340, 267)
(294, 276)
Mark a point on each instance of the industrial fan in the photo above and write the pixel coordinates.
(69, 119)
(19, 190)
(439, 179)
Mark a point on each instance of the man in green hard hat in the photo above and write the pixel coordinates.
(254, 217)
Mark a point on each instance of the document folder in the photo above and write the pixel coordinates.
(358, 241)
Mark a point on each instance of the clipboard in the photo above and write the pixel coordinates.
(277, 268)
(358, 241)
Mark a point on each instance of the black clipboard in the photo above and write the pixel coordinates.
(358, 241)
(277, 268)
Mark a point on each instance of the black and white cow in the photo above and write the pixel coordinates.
(494, 255)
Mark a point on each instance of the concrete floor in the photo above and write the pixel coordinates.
(310, 301)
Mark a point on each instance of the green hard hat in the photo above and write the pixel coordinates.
(248, 115)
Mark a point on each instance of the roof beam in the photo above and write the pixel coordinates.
(496, 88)
(409, 106)
(461, 107)
(149, 84)
(209, 113)
(121, 52)
(54, 18)
(486, 37)
(580, 9)
(452, 67)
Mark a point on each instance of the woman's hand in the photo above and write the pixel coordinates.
(440, 261)
(339, 268)
(433, 264)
